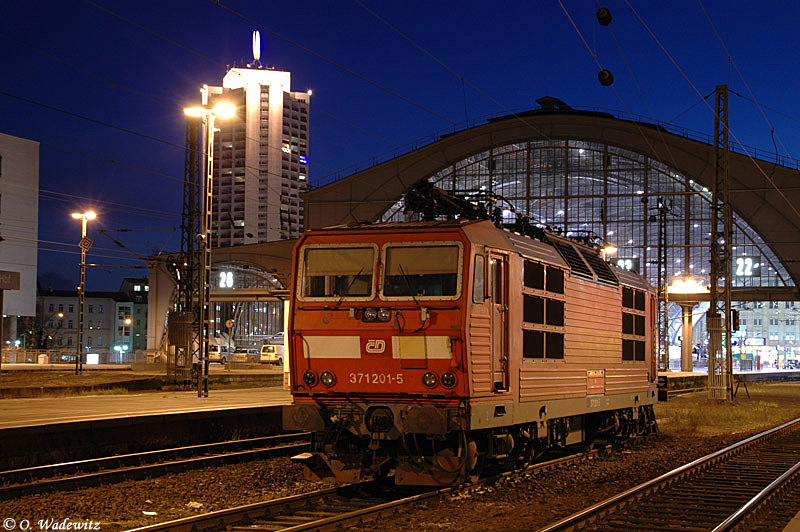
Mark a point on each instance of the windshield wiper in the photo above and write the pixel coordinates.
(408, 284)
(346, 291)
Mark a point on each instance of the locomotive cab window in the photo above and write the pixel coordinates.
(337, 272)
(422, 271)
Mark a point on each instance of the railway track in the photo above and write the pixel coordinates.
(83, 473)
(730, 488)
(334, 508)
(329, 509)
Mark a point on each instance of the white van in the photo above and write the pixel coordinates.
(218, 353)
(271, 354)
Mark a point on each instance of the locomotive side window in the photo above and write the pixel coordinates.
(543, 311)
(421, 271)
(555, 345)
(495, 282)
(627, 349)
(532, 344)
(479, 280)
(639, 300)
(627, 297)
(534, 275)
(555, 312)
(555, 280)
(337, 271)
(533, 309)
(633, 324)
(627, 323)
(639, 320)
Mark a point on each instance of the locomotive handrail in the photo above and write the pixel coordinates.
(598, 509)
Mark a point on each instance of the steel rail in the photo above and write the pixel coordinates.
(34, 480)
(595, 511)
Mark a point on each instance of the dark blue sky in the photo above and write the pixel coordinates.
(72, 68)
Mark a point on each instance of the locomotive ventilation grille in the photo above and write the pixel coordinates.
(576, 264)
(600, 267)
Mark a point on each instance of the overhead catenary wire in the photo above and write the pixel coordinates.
(54, 242)
(644, 100)
(616, 93)
(732, 134)
(741, 77)
(121, 207)
(273, 187)
(453, 72)
(695, 104)
(178, 107)
(68, 251)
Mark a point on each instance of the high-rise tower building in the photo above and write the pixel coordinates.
(260, 157)
(19, 222)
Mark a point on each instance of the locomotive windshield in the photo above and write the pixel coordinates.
(421, 271)
(338, 271)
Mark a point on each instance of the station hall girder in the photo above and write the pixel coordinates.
(764, 194)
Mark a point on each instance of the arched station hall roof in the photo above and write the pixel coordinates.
(764, 195)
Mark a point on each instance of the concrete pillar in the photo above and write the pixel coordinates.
(687, 341)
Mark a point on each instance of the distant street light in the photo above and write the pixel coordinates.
(222, 110)
(85, 244)
(125, 345)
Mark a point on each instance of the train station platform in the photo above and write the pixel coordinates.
(42, 430)
(29, 412)
(43, 380)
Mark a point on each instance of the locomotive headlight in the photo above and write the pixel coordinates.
(384, 314)
(448, 379)
(327, 378)
(370, 314)
(429, 380)
(310, 378)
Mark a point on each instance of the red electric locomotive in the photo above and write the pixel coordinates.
(430, 348)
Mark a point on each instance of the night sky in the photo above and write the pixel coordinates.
(102, 85)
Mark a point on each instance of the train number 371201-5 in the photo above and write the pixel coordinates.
(376, 378)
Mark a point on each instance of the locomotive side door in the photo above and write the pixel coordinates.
(498, 286)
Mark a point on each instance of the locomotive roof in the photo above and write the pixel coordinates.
(631, 279)
(486, 233)
(422, 224)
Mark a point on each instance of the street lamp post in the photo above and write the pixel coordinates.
(125, 345)
(222, 110)
(85, 244)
